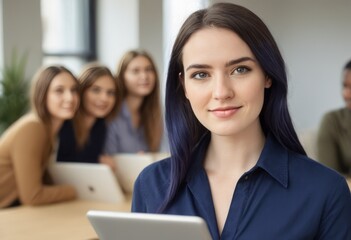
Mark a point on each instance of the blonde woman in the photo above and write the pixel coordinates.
(26, 146)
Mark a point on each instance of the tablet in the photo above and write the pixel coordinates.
(111, 225)
(92, 181)
(130, 165)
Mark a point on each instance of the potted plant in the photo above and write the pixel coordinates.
(13, 91)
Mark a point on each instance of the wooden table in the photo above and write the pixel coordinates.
(62, 221)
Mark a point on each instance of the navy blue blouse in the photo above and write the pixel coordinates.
(284, 196)
(68, 150)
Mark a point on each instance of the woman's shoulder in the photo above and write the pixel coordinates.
(155, 177)
(313, 181)
(313, 173)
(151, 186)
(26, 131)
(340, 114)
(30, 123)
(158, 170)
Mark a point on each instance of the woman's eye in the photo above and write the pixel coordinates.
(200, 75)
(111, 93)
(95, 90)
(59, 90)
(135, 71)
(149, 70)
(74, 89)
(240, 70)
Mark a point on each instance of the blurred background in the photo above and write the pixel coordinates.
(313, 35)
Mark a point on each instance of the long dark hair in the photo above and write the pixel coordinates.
(347, 65)
(184, 130)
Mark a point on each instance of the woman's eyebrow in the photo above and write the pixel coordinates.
(230, 63)
(197, 66)
(239, 60)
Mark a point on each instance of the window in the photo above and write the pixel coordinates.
(174, 14)
(68, 32)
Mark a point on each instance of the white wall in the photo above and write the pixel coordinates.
(175, 12)
(22, 30)
(117, 29)
(315, 39)
(150, 30)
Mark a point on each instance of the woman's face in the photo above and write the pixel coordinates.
(100, 97)
(346, 90)
(62, 97)
(223, 81)
(139, 77)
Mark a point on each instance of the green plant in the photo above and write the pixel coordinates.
(13, 91)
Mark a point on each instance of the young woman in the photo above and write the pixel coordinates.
(138, 126)
(82, 139)
(26, 146)
(235, 159)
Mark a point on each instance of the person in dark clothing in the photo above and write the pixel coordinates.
(236, 160)
(82, 139)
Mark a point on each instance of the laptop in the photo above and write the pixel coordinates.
(129, 166)
(110, 225)
(92, 181)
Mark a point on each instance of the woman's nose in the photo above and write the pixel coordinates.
(69, 95)
(105, 96)
(222, 88)
(143, 74)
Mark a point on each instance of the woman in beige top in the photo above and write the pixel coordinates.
(26, 146)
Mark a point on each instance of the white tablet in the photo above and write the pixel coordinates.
(110, 225)
(92, 181)
(129, 166)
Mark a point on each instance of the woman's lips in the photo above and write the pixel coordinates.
(224, 112)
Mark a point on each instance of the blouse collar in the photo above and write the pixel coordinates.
(273, 159)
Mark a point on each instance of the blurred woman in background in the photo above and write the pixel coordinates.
(138, 126)
(26, 146)
(334, 135)
(82, 139)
